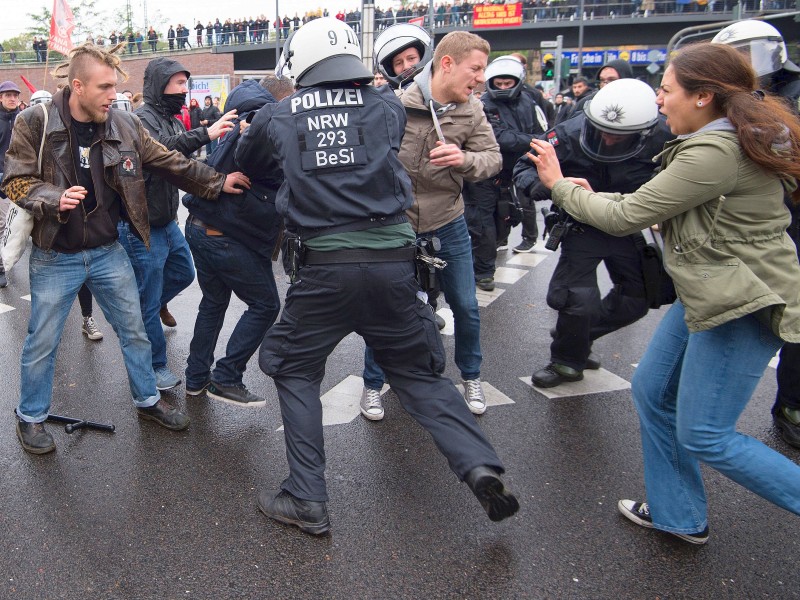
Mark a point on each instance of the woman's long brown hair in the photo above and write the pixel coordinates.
(768, 130)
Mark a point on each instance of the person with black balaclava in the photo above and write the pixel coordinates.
(166, 269)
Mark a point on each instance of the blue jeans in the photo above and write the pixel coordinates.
(690, 390)
(225, 266)
(161, 274)
(458, 284)
(55, 279)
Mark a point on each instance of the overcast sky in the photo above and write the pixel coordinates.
(179, 11)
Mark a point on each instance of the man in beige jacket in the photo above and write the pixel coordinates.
(448, 141)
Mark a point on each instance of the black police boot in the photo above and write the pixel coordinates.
(166, 415)
(491, 492)
(592, 362)
(34, 437)
(555, 374)
(786, 425)
(309, 516)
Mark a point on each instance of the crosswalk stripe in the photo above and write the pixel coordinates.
(5, 308)
(529, 260)
(510, 276)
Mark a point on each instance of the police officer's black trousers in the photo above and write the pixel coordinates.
(582, 315)
(377, 301)
(789, 366)
(485, 227)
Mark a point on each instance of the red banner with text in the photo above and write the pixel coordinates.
(497, 15)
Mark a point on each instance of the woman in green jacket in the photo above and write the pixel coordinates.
(719, 198)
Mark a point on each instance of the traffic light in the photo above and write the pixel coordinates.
(549, 69)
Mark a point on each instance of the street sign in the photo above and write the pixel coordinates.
(548, 44)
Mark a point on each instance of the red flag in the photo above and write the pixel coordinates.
(61, 26)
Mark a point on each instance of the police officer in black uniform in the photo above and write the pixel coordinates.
(345, 194)
(611, 144)
(490, 209)
(766, 49)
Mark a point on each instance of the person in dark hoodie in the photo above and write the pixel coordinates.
(611, 71)
(93, 161)
(9, 109)
(166, 269)
(232, 243)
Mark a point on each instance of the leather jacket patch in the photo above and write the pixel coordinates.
(128, 165)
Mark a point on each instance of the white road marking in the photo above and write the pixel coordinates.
(593, 382)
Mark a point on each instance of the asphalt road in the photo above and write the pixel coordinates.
(146, 513)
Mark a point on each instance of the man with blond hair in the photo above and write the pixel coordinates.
(76, 211)
(448, 141)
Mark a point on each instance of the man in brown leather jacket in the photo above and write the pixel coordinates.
(91, 177)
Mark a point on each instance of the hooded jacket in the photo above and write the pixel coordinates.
(437, 190)
(724, 228)
(623, 69)
(249, 217)
(126, 151)
(162, 196)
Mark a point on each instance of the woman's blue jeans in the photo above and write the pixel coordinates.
(689, 390)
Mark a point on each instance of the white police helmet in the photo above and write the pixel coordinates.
(619, 117)
(396, 39)
(324, 50)
(40, 97)
(505, 67)
(761, 42)
(122, 103)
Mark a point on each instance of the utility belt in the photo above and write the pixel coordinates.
(209, 230)
(422, 253)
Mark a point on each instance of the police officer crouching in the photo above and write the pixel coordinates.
(345, 194)
(611, 144)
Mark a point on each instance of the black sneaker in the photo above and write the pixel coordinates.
(524, 247)
(639, 513)
(788, 429)
(3, 279)
(309, 516)
(497, 501)
(555, 374)
(34, 437)
(237, 395)
(166, 415)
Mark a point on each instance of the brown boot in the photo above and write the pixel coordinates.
(166, 317)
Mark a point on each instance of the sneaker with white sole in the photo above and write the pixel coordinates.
(524, 247)
(639, 513)
(473, 395)
(371, 404)
(90, 329)
(237, 395)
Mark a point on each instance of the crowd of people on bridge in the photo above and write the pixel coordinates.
(381, 197)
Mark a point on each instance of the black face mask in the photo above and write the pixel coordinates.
(172, 102)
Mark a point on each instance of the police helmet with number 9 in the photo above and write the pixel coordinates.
(324, 50)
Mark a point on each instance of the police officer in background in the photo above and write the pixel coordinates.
(401, 51)
(766, 49)
(490, 210)
(345, 196)
(611, 144)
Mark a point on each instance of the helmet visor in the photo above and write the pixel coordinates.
(764, 54)
(603, 146)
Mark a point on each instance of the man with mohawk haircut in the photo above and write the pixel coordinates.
(92, 157)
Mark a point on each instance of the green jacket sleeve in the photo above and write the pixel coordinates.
(701, 170)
